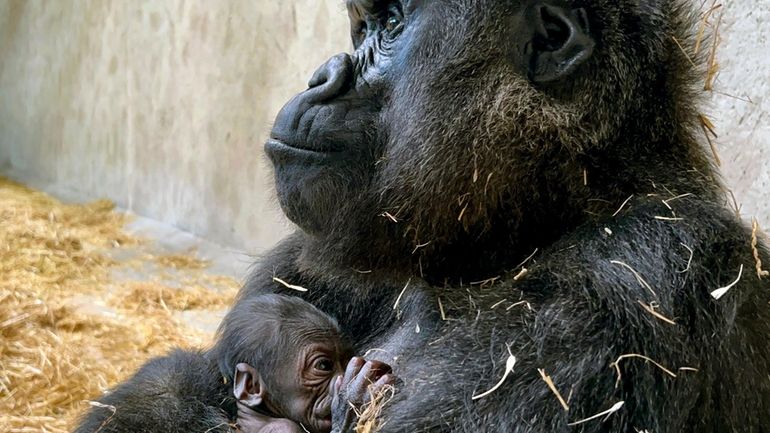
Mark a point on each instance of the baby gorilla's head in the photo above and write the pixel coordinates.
(282, 354)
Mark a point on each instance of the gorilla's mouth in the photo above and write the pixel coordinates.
(282, 151)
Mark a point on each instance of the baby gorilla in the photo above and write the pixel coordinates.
(286, 361)
(283, 363)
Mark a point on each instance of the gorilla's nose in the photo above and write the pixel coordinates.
(331, 80)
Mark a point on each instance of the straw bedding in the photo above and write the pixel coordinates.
(68, 329)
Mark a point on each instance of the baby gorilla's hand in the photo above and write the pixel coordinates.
(351, 392)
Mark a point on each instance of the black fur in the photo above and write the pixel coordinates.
(573, 314)
(459, 138)
(181, 392)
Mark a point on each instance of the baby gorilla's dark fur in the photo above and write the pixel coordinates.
(180, 392)
(248, 381)
(283, 355)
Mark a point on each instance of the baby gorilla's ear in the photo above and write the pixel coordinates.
(248, 387)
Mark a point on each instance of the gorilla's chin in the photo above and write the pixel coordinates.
(308, 185)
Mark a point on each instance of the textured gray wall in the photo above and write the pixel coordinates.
(160, 105)
(744, 127)
(163, 105)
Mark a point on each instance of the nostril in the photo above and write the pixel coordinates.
(554, 29)
(320, 77)
(331, 79)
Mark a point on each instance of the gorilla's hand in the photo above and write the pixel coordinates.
(362, 381)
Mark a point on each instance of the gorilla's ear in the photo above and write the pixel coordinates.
(554, 42)
(248, 387)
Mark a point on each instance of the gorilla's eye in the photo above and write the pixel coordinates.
(392, 24)
(323, 364)
(393, 20)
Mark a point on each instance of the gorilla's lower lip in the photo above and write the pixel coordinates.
(278, 150)
(278, 143)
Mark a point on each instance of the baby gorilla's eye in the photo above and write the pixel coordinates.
(323, 365)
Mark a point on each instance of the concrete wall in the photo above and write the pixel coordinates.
(741, 109)
(160, 105)
(163, 105)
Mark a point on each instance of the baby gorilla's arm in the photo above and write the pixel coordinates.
(362, 380)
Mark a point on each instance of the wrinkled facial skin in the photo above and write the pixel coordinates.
(436, 115)
(302, 391)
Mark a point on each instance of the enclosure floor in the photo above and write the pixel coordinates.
(88, 294)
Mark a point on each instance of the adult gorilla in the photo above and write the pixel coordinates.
(425, 168)
(461, 136)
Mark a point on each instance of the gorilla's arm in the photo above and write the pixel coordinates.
(181, 392)
(590, 299)
(605, 293)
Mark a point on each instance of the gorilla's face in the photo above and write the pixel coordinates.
(440, 116)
